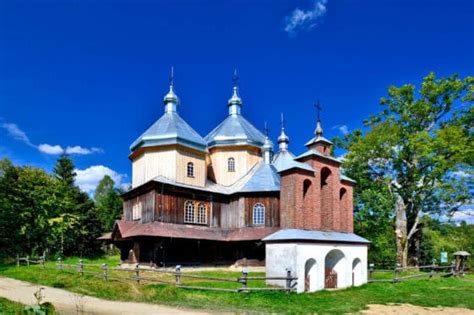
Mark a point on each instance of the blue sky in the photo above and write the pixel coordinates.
(90, 76)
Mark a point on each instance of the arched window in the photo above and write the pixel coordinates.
(258, 214)
(231, 164)
(189, 212)
(306, 186)
(202, 214)
(190, 169)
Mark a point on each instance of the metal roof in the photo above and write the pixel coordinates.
(170, 129)
(316, 152)
(344, 177)
(318, 139)
(261, 178)
(235, 130)
(314, 235)
(265, 178)
(284, 160)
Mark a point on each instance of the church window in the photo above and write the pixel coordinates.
(258, 214)
(190, 169)
(189, 212)
(202, 214)
(231, 164)
(137, 210)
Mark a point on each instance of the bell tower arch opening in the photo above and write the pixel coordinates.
(326, 199)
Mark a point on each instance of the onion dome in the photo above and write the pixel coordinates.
(235, 129)
(267, 150)
(283, 139)
(170, 128)
(318, 136)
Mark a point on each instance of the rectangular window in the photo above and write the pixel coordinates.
(137, 210)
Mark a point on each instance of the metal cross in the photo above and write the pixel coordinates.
(282, 122)
(235, 78)
(318, 109)
(266, 129)
(172, 76)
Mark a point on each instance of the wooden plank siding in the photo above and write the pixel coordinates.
(272, 210)
(165, 204)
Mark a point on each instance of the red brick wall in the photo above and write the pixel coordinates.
(321, 208)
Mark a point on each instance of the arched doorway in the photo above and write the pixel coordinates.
(309, 274)
(356, 272)
(334, 270)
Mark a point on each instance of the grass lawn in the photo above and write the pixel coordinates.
(457, 292)
(10, 307)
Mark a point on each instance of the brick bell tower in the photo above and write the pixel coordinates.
(320, 199)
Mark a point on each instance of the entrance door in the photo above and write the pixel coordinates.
(330, 278)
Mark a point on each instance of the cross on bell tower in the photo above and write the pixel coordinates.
(319, 130)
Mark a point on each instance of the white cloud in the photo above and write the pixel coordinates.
(16, 133)
(305, 20)
(83, 151)
(50, 149)
(89, 178)
(342, 128)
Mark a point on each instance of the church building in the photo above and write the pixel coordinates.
(227, 196)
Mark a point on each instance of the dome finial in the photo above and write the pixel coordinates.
(235, 102)
(267, 148)
(319, 130)
(283, 139)
(171, 99)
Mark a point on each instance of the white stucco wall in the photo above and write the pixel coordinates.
(280, 256)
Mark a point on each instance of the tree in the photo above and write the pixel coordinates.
(27, 198)
(410, 151)
(108, 202)
(64, 170)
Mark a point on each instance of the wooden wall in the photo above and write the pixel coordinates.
(272, 210)
(163, 204)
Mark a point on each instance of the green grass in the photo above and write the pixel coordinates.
(456, 292)
(8, 307)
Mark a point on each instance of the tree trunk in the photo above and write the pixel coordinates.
(401, 232)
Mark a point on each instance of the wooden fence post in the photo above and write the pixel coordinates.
(137, 273)
(104, 274)
(17, 261)
(288, 280)
(371, 271)
(433, 268)
(397, 273)
(27, 260)
(60, 263)
(244, 280)
(81, 267)
(42, 261)
(178, 275)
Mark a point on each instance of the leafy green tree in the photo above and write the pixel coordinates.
(64, 170)
(409, 151)
(108, 202)
(27, 197)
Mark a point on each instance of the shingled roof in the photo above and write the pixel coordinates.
(129, 229)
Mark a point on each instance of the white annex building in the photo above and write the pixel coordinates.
(318, 259)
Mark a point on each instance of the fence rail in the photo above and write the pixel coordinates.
(175, 278)
(434, 270)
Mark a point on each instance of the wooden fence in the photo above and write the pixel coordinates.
(176, 277)
(405, 273)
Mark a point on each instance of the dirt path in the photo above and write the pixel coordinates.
(71, 303)
(376, 309)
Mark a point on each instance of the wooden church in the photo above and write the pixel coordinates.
(218, 199)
